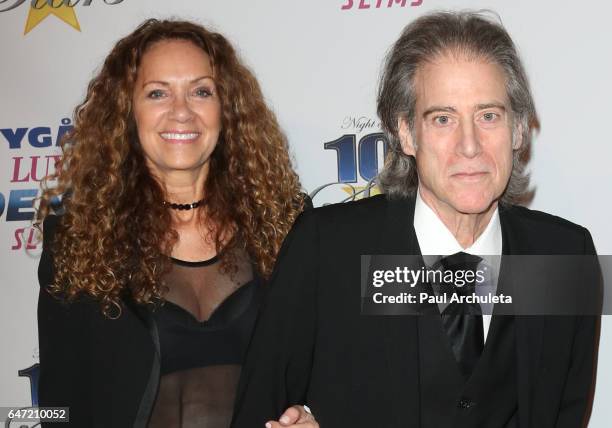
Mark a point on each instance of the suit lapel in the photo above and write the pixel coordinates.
(401, 338)
(145, 408)
(529, 329)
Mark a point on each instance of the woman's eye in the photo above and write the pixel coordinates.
(156, 93)
(203, 92)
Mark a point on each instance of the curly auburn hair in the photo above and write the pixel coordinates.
(115, 236)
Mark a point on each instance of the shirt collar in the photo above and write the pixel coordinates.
(435, 238)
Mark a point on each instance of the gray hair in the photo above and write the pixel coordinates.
(469, 33)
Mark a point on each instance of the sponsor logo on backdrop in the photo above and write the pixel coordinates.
(378, 4)
(32, 373)
(359, 156)
(24, 170)
(14, 421)
(62, 9)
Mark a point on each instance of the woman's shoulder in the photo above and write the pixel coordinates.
(307, 201)
(45, 265)
(49, 226)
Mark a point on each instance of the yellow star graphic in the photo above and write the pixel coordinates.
(359, 191)
(63, 12)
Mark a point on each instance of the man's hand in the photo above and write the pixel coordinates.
(294, 416)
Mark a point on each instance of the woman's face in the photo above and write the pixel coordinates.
(177, 108)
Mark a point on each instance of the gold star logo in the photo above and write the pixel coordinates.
(359, 192)
(63, 12)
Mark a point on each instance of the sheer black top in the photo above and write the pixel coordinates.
(204, 329)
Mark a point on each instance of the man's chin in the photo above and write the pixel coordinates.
(473, 206)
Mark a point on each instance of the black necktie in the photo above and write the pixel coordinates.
(463, 321)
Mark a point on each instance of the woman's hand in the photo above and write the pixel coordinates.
(294, 416)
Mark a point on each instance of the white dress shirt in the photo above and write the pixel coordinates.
(436, 240)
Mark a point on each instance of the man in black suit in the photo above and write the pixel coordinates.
(456, 106)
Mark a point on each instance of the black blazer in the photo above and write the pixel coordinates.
(312, 346)
(105, 370)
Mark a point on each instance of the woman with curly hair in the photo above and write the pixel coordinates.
(177, 191)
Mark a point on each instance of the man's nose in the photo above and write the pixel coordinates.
(469, 142)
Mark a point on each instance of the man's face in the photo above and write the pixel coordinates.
(463, 133)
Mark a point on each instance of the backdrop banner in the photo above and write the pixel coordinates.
(318, 62)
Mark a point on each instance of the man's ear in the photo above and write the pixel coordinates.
(517, 138)
(405, 137)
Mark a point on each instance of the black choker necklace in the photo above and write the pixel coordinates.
(183, 207)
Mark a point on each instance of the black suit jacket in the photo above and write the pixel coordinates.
(105, 370)
(312, 346)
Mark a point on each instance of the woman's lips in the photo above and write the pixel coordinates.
(179, 137)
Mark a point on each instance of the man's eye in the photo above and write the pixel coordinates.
(489, 117)
(156, 93)
(442, 120)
